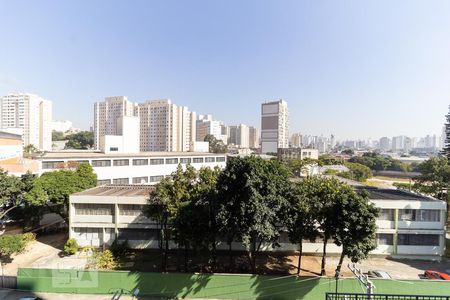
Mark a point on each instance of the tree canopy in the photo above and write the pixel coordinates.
(80, 140)
(215, 145)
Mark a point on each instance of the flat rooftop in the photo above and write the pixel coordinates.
(98, 154)
(118, 190)
(393, 194)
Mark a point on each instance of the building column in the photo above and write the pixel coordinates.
(395, 238)
(116, 219)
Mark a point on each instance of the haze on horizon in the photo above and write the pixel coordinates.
(355, 69)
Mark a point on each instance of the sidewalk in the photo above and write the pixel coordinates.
(6, 294)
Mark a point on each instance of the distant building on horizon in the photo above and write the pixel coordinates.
(29, 115)
(163, 126)
(206, 125)
(274, 126)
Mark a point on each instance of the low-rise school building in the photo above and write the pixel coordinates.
(408, 225)
(130, 168)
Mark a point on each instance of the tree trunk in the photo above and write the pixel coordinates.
(341, 260)
(252, 256)
(324, 254)
(186, 250)
(230, 253)
(214, 256)
(3, 214)
(300, 253)
(166, 247)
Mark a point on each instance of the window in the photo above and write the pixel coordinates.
(101, 163)
(51, 164)
(220, 159)
(386, 215)
(121, 162)
(137, 234)
(113, 149)
(429, 215)
(156, 161)
(171, 161)
(93, 209)
(209, 159)
(156, 178)
(185, 160)
(140, 162)
(131, 209)
(385, 239)
(87, 233)
(198, 160)
(418, 239)
(121, 181)
(407, 214)
(104, 181)
(140, 180)
(420, 215)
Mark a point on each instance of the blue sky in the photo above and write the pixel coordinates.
(353, 68)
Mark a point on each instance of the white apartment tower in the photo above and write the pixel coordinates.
(106, 115)
(30, 115)
(239, 135)
(166, 126)
(274, 126)
(206, 125)
(254, 136)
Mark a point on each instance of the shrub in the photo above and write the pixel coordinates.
(29, 237)
(12, 244)
(105, 260)
(71, 247)
(118, 249)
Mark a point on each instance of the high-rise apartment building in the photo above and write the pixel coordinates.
(163, 126)
(166, 126)
(274, 126)
(206, 125)
(296, 140)
(385, 143)
(106, 116)
(239, 135)
(30, 115)
(254, 137)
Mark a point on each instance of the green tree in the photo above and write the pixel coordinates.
(327, 159)
(55, 187)
(30, 151)
(356, 229)
(80, 140)
(58, 136)
(299, 221)
(71, 247)
(164, 203)
(356, 172)
(299, 167)
(215, 145)
(252, 194)
(194, 225)
(326, 196)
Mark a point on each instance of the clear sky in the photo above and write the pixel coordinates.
(353, 68)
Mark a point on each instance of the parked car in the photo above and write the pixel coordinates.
(378, 274)
(430, 274)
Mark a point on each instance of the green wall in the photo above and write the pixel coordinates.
(215, 286)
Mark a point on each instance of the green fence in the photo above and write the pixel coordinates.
(215, 286)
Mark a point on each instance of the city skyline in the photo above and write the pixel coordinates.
(336, 65)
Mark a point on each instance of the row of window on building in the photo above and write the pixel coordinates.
(88, 209)
(134, 180)
(152, 234)
(418, 215)
(137, 162)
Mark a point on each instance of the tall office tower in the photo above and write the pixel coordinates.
(239, 135)
(332, 142)
(274, 126)
(166, 126)
(296, 140)
(254, 136)
(29, 115)
(398, 143)
(206, 125)
(106, 115)
(385, 144)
